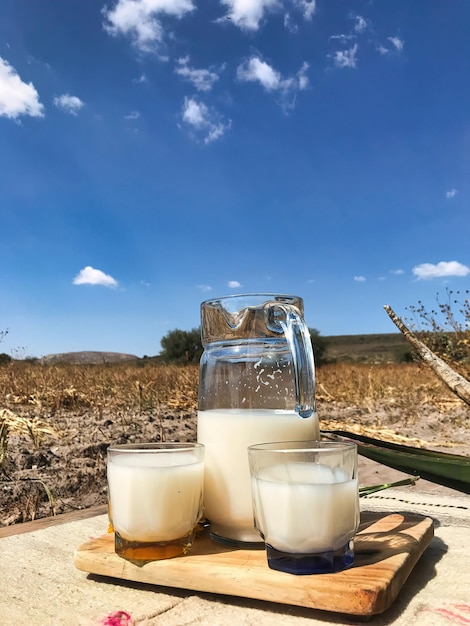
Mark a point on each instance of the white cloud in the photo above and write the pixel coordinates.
(133, 115)
(141, 80)
(202, 79)
(397, 43)
(247, 14)
(17, 97)
(363, 32)
(360, 279)
(451, 193)
(233, 284)
(440, 270)
(308, 8)
(289, 24)
(255, 69)
(346, 58)
(195, 113)
(397, 272)
(206, 122)
(141, 20)
(302, 78)
(91, 276)
(204, 288)
(361, 24)
(343, 38)
(397, 46)
(69, 104)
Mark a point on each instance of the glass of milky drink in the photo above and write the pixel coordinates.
(306, 504)
(256, 384)
(155, 493)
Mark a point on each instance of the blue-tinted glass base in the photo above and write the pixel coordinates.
(319, 563)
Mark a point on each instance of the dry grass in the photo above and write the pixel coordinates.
(41, 394)
(56, 421)
(42, 390)
(47, 389)
(403, 403)
(407, 385)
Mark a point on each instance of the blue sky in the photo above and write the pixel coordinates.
(156, 153)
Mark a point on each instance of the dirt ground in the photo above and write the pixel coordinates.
(67, 470)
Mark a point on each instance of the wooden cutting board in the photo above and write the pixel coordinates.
(387, 547)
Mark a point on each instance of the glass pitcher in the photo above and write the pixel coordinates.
(256, 385)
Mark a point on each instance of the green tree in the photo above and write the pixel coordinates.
(4, 358)
(319, 345)
(182, 346)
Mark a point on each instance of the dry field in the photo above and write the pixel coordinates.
(56, 421)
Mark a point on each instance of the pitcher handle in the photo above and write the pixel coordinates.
(300, 344)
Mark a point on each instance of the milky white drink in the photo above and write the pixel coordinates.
(155, 497)
(226, 434)
(305, 507)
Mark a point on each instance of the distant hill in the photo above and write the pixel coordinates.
(88, 357)
(374, 348)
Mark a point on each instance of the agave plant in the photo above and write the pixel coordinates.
(449, 470)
